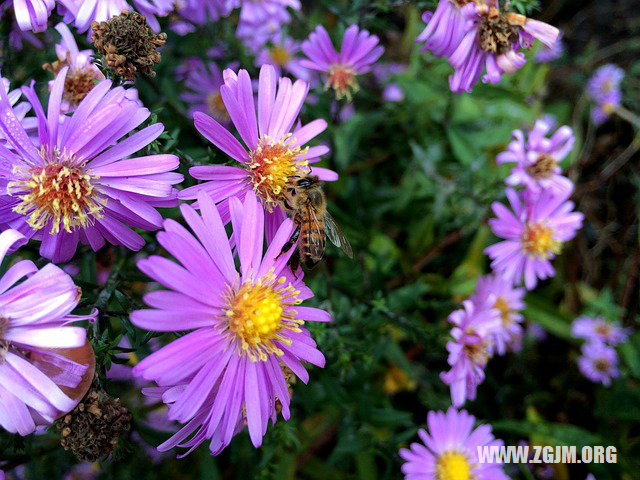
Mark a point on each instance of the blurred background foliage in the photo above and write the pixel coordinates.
(417, 178)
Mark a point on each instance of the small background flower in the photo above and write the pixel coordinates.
(598, 362)
(449, 449)
(359, 52)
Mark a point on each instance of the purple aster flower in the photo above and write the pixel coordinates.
(534, 233)
(449, 449)
(537, 157)
(475, 325)
(33, 324)
(383, 72)
(275, 153)
(199, 12)
(509, 302)
(393, 93)
(154, 8)
(605, 106)
(536, 332)
(258, 12)
(245, 326)
(83, 471)
(203, 82)
(606, 79)
(492, 41)
(598, 329)
(82, 75)
(598, 362)
(549, 54)
(16, 35)
(261, 21)
(33, 14)
(445, 28)
(103, 192)
(282, 56)
(358, 53)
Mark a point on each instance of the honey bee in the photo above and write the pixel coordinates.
(306, 204)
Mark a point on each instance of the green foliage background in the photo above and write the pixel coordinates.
(417, 179)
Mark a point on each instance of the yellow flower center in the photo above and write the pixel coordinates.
(259, 313)
(216, 107)
(505, 312)
(608, 108)
(60, 192)
(396, 380)
(279, 55)
(601, 365)
(343, 81)
(604, 329)
(452, 466)
(538, 241)
(273, 165)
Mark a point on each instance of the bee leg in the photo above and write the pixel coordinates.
(286, 205)
(310, 262)
(291, 242)
(294, 263)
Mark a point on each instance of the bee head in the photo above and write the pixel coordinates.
(306, 182)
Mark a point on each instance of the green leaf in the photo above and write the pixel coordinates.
(548, 316)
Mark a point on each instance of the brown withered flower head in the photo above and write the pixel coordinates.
(79, 81)
(128, 44)
(92, 429)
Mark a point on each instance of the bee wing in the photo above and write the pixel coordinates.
(316, 245)
(336, 236)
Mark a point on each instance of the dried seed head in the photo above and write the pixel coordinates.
(79, 81)
(128, 44)
(92, 429)
(496, 34)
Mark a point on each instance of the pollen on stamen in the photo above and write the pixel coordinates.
(342, 80)
(59, 192)
(259, 314)
(538, 241)
(505, 312)
(279, 55)
(452, 465)
(272, 166)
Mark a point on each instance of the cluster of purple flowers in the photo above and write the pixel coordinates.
(604, 89)
(599, 359)
(478, 36)
(248, 325)
(71, 175)
(540, 220)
